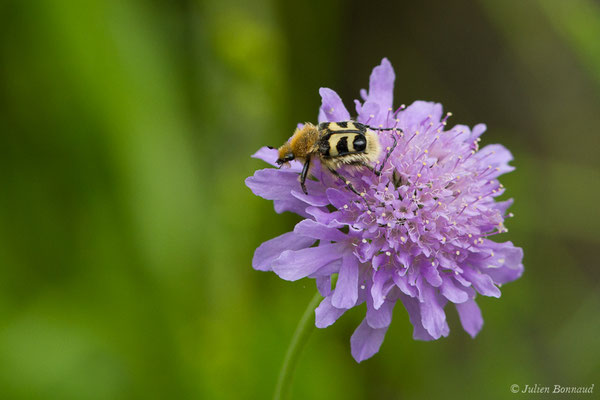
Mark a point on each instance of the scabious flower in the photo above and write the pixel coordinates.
(418, 234)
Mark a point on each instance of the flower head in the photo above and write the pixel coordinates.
(418, 233)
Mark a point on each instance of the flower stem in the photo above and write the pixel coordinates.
(301, 335)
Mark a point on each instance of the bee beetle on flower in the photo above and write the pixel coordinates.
(400, 207)
(336, 144)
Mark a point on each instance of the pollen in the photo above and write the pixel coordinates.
(403, 239)
(387, 253)
(457, 252)
(364, 240)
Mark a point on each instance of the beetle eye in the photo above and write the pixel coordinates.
(359, 143)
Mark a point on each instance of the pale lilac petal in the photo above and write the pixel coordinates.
(432, 314)
(506, 263)
(346, 288)
(478, 130)
(382, 317)
(295, 206)
(325, 217)
(328, 269)
(414, 314)
(294, 265)
(470, 317)
(269, 155)
(315, 230)
(273, 184)
(498, 157)
(431, 274)
(369, 113)
(314, 198)
(450, 291)
(483, 283)
(324, 284)
(326, 314)
(418, 112)
(402, 284)
(270, 250)
(366, 341)
(378, 292)
(381, 85)
(332, 108)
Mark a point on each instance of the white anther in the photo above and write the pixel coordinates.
(387, 253)
(403, 239)
(457, 252)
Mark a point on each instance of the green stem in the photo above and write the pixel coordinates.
(301, 335)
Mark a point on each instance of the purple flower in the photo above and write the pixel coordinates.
(418, 234)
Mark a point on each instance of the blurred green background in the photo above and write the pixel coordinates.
(126, 231)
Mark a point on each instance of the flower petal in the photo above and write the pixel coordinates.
(419, 111)
(366, 341)
(431, 274)
(332, 108)
(450, 291)
(381, 88)
(315, 230)
(497, 156)
(324, 284)
(270, 250)
(433, 316)
(506, 264)
(326, 314)
(414, 314)
(346, 288)
(470, 317)
(269, 155)
(382, 317)
(293, 265)
(483, 283)
(378, 289)
(273, 184)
